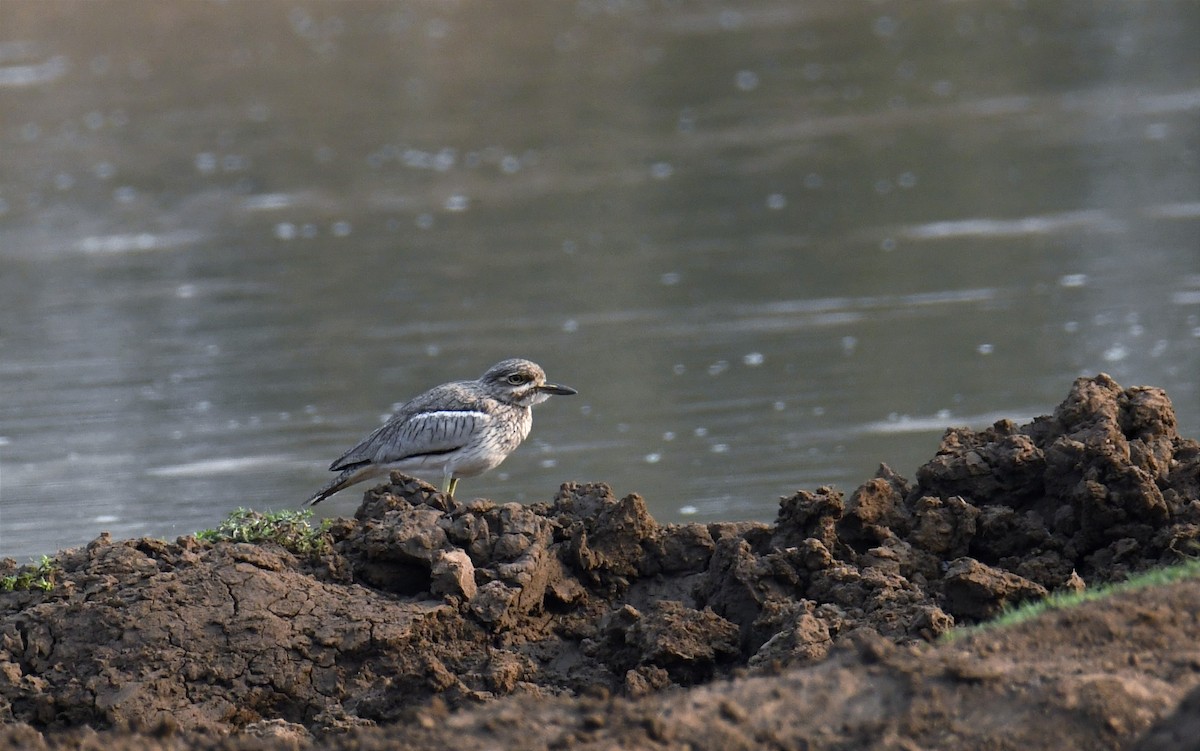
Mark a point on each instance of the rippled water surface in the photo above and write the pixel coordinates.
(771, 244)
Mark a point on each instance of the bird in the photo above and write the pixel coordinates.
(463, 428)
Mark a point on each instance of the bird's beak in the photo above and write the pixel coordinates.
(554, 388)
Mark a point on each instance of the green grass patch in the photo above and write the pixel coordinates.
(40, 575)
(288, 528)
(1061, 600)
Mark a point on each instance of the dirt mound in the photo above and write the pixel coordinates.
(582, 611)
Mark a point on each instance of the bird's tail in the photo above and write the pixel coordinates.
(345, 479)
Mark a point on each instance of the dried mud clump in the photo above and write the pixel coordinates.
(427, 605)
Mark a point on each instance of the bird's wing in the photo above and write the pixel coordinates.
(417, 430)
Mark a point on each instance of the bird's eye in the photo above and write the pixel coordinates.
(516, 379)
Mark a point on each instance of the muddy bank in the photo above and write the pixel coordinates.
(583, 622)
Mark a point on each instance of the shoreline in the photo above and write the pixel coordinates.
(584, 623)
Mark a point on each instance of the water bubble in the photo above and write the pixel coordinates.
(445, 159)
(425, 221)
(569, 246)
(719, 448)
(776, 201)
(718, 367)
(753, 359)
(688, 510)
(906, 180)
(729, 19)
(1160, 348)
(849, 344)
(185, 291)
(570, 326)
(943, 414)
(885, 26)
(883, 186)
(94, 120)
(700, 432)
(1116, 353)
(104, 170)
(548, 463)
(670, 279)
(1157, 131)
(457, 202)
(652, 458)
(341, 229)
(64, 181)
(308, 230)
(1073, 280)
(813, 181)
(125, 194)
(669, 435)
(985, 349)
(661, 170)
(206, 162)
(746, 80)
(687, 121)
(887, 244)
(943, 88)
(510, 164)
(679, 369)
(1071, 327)
(285, 231)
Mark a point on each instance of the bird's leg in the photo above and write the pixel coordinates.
(452, 485)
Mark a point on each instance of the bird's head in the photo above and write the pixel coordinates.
(521, 383)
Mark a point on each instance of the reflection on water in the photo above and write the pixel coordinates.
(771, 246)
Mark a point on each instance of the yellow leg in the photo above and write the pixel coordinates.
(451, 484)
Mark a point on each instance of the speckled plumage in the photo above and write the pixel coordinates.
(461, 429)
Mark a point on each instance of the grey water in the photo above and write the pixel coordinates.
(772, 244)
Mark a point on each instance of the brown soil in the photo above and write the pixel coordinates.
(583, 623)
